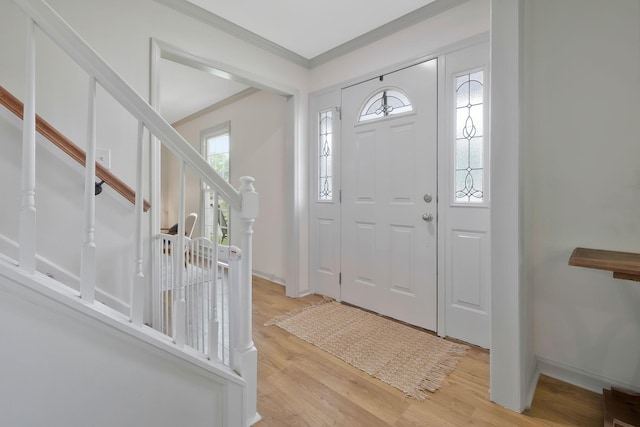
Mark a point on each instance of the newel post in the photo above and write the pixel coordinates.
(246, 360)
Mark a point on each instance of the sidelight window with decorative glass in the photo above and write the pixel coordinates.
(469, 137)
(325, 156)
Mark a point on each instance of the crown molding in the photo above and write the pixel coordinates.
(425, 12)
(218, 105)
(203, 15)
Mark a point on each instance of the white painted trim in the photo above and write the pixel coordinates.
(422, 14)
(531, 390)
(425, 12)
(196, 12)
(443, 159)
(257, 417)
(579, 377)
(509, 327)
(113, 302)
(295, 190)
(218, 105)
(9, 250)
(294, 162)
(220, 69)
(444, 50)
(270, 277)
(155, 183)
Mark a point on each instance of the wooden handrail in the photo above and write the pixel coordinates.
(14, 105)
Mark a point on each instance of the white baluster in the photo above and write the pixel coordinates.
(180, 306)
(213, 265)
(246, 362)
(88, 257)
(234, 255)
(138, 288)
(27, 254)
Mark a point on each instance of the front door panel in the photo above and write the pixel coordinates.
(389, 166)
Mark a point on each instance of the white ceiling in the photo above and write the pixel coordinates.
(307, 28)
(310, 28)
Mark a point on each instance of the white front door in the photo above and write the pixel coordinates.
(389, 185)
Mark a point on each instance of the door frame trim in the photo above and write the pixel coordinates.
(294, 191)
(440, 55)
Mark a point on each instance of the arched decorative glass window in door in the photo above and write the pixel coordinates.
(469, 137)
(387, 102)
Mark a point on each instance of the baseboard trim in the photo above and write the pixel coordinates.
(113, 302)
(9, 248)
(270, 277)
(578, 377)
(533, 384)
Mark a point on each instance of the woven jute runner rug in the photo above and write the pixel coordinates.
(409, 359)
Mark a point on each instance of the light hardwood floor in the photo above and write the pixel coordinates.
(300, 385)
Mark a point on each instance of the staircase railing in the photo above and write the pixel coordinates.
(243, 201)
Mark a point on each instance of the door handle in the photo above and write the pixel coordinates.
(427, 217)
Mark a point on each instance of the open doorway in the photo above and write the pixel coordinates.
(205, 100)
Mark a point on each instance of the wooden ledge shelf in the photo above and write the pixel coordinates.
(624, 265)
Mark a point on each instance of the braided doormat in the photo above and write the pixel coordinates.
(406, 358)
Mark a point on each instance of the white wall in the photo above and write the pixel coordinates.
(582, 108)
(63, 368)
(257, 124)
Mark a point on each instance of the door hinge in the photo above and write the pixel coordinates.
(340, 278)
(339, 111)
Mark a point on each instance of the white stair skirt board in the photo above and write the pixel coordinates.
(579, 377)
(49, 302)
